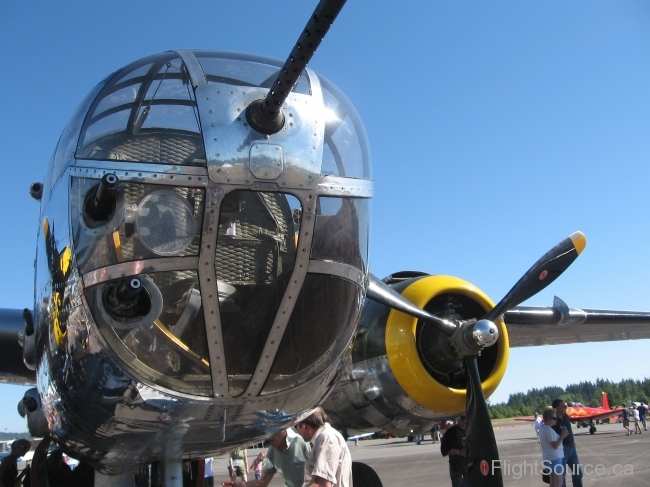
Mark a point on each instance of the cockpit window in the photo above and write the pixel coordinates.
(255, 257)
(146, 113)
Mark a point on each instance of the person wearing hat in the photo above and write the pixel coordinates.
(453, 444)
(330, 462)
(287, 455)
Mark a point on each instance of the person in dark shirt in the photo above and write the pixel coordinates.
(59, 474)
(571, 461)
(453, 444)
(626, 420)
(8, 467)
(83, 475)
(643, 409)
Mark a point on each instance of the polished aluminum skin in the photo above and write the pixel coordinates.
(215, 296)
(369, 397)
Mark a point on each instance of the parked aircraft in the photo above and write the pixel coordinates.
(587, 416)
(177, 222)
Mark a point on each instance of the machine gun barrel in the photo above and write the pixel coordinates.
(102, 203)
(266, 116)
(127, 291)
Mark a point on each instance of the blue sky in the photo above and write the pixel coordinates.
(497, 129)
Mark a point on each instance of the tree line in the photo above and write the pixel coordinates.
(14, 436)
(587, 393)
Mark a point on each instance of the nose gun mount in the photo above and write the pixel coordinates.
(99, 204)
(130, 303)
(265, 115)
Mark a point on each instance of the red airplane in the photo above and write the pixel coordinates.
(584, 415)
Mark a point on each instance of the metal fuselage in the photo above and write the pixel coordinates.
(249, 251)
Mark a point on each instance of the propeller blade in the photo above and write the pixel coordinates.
(382, 293)
(541, 274)
(482, 452)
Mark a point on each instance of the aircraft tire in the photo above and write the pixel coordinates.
(592, 430)
(364, 476)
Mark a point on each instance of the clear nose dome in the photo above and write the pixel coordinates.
(146, 113)
(233, 265)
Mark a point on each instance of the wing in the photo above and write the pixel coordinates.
(12, 367)
(559, 324)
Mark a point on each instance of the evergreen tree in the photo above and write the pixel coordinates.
(587, 393)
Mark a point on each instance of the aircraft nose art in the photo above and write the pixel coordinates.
(217, 261)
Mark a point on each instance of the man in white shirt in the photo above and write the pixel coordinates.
(537, 424)
(635, 414)
(208, 474)
(329, 463)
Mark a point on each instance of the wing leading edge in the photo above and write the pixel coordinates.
(559, 324)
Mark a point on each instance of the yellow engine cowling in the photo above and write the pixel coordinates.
(402, 350)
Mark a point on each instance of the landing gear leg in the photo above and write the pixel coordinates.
(171, 473)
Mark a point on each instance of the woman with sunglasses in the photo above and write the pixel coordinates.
(9, 465)
(552, 449)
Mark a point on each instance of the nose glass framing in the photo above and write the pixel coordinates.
(246, 278)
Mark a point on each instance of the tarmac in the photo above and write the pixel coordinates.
(610, 458)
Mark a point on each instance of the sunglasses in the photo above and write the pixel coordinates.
(554, 417)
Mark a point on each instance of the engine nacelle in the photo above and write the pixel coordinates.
(31, 408)
(404, 375)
